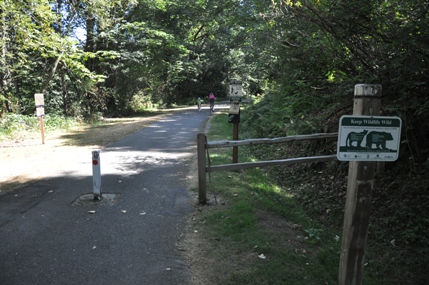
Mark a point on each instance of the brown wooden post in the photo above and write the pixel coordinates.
(201, 158)
(42, 129)
(235, 148)
(359, 196)
(39, 100)
(380, 167)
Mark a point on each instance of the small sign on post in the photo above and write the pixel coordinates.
(39, 100)
(365, 138)
(235, 91)
(234, 109)
(40, 111)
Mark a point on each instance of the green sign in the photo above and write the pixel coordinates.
(362, 138)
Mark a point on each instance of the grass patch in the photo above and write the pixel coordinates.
(19, 126)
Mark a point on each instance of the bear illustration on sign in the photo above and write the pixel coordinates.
(379, 139)
(355, 137)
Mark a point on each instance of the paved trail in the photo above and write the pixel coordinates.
(46, 239)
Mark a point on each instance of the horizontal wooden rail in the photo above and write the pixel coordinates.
(244, 165)
(203, 145)
(229, 143)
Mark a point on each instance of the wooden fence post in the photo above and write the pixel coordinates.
(42, 129)
(235, 138)
(201, 157)
(359, 196)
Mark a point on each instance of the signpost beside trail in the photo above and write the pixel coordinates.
(40, 111)
(363, 139)
(235, 95)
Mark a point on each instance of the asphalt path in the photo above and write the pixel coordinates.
(48, 238)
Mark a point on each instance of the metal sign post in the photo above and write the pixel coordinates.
(96, 174)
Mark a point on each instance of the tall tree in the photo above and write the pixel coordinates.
(25, 27)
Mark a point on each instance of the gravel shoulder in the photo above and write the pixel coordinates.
(25, 158)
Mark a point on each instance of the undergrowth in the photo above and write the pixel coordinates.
(16, 125)
(398, 247)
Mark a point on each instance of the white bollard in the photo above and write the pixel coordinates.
(96, 174)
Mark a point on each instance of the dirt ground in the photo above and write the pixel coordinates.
(24, 159)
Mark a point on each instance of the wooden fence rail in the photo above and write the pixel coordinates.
(228, 143)
(289, 161)
(203, 145)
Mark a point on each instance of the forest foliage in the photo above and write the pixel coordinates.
(111, 58)
(298, 60)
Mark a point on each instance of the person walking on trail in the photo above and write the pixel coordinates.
(199, 103)
(211, 100)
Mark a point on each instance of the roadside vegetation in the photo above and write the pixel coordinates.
(20, 127)
(17, 126)
(284, 226)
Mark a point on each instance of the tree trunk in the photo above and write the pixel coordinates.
(5, 74)
(51, 74)
(90, 45)
(64, 89)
